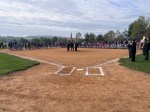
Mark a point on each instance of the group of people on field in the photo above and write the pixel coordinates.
(145, 45)
(72, 46)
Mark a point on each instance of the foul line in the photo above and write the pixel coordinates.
(107, 62)
(33, 59)
(114, 60)
(42, 61)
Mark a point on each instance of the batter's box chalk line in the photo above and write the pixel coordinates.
(101, 72)
(72, 70)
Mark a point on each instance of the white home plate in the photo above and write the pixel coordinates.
(80, 69)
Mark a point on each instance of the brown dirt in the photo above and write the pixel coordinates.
(94, 71)
(38, 89)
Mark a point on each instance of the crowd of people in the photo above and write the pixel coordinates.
(103, 44)
(26, 46)
(132, 46)
(31, 46)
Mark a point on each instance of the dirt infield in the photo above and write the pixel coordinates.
(44, 88)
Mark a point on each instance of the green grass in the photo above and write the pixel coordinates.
(140, 64)
(9, 63)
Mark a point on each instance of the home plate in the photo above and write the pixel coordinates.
(80, 69)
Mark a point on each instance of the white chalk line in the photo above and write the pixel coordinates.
(65, 74)
(80, 69)
(33, 59)
(114, 60)
(86, 72)
(59, 70)
(72, 70)
(102, 72)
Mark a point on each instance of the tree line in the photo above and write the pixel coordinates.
(136, 30)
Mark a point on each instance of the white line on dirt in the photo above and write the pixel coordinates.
(80, 69)
(107, 62)
(66, 74)
(42, 61)
(86, 73)
(59, 70)
(72, 70)
(100, 70)
(114, 60)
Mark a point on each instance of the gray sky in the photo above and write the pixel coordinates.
(61, 17)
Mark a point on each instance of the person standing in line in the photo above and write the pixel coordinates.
(76, 46)
(133, 50)
(142, 44)
(76, 43)
(129, 48)
(146, 48)
(68, 46)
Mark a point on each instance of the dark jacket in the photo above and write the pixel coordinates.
(133, 47)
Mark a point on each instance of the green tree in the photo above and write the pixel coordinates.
(3, 40)
(99, 38)
(35, 40)
(109, 36)
(130, 30)
(148, 27)
(23, 40)
(138, 28)
(92, 38)
(54, 39)
(87, 37)
(62, 39)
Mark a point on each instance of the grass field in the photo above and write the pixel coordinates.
(9, 63)
(139, 65)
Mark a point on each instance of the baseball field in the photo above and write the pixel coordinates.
(89, 80)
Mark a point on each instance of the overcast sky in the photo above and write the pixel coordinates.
(61, 17)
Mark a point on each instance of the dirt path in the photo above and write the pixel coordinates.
(38, 89)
